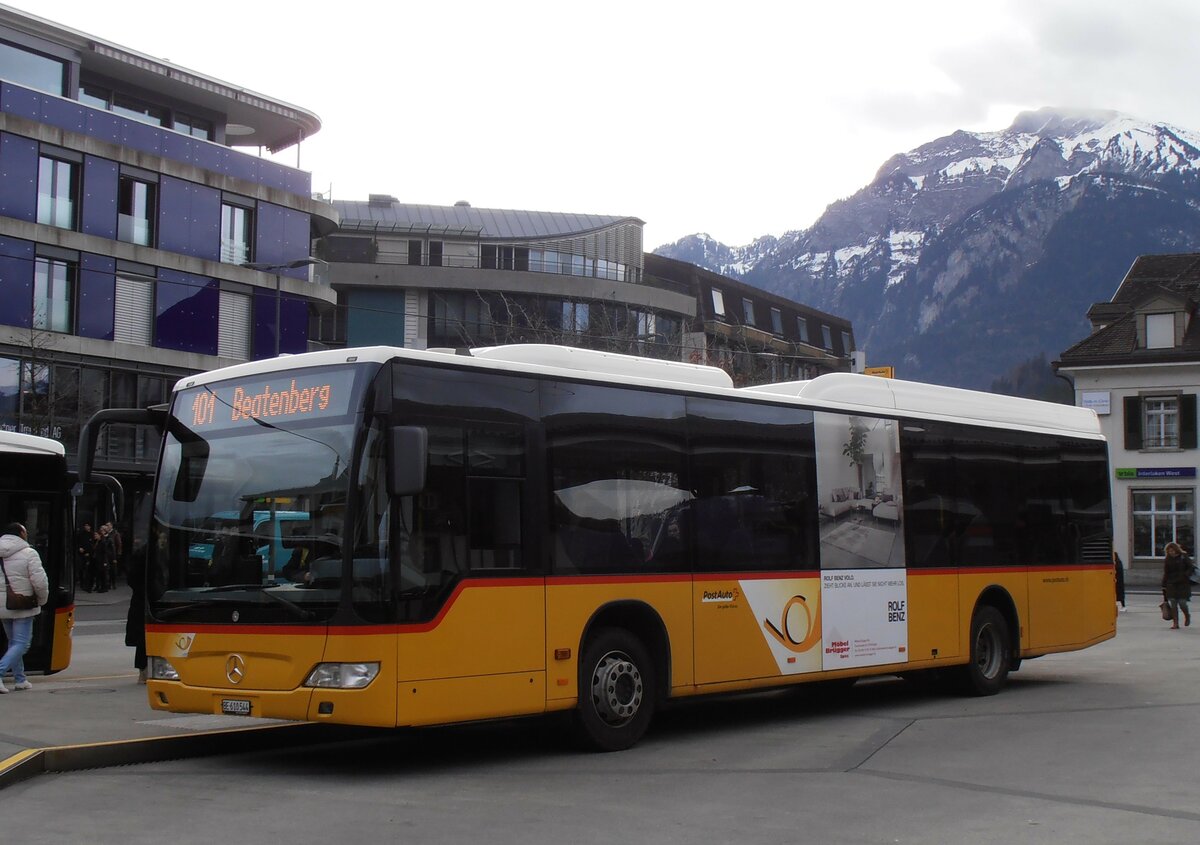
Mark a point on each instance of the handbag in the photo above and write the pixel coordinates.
(1165, 607)
(14, 600)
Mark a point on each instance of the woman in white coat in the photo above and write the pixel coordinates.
(23, 569)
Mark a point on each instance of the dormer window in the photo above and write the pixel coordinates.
(1160, 331)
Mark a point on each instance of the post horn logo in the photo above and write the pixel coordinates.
(235, 668)
(784, 633)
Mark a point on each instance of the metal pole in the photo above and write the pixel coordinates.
(278, 296)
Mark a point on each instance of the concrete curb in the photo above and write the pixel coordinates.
(71, 758)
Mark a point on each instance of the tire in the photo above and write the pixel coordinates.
(617, 691)
(991, 653)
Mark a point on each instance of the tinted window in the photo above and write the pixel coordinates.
(615, 460)
(753, 477)
(985, 497)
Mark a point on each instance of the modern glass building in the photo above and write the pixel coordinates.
(136, 243)
(425, 276)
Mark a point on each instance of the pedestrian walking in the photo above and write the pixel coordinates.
(23, 573)
(1177, 584)
(135, 620)
(98, 580)
(1119, 571)
(83, 555)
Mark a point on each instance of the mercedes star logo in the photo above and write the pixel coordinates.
(235, 668)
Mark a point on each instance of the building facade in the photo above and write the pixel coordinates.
(1139, 370)
(756, 336)
(425, 276)
(136, 245)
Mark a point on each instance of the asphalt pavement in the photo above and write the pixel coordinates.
(95, 713)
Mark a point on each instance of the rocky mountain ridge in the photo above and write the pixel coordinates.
(976, 251)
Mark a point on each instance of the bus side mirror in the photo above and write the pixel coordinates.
(406, 464)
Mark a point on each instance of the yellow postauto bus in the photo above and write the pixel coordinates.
(526, 529)
(34, 491)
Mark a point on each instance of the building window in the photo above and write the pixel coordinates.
(776, 321)
(748, 311)
(846, 346)
(1160, 425)
(1160, 422)
(54, 295)
(58, 187)
(32, 69)
(802, 329)
(135, 211)
(133, 312)
(1161, 517)
(194, 126)
(1160, 331)
(93, 95)
(233, 325)
(435, 253)
(718, 301)
(575, 316)
(826, 338)
(236, 227)
(134, 108)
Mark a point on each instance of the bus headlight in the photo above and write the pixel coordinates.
(342, 675)
(162, 670)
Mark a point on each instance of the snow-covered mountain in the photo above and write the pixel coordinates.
(977, 251)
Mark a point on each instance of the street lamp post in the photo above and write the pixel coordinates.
(268, 267)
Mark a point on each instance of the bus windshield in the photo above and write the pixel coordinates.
(251, 500)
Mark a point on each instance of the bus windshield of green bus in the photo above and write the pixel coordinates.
(251, 498)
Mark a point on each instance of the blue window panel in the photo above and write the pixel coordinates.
(97, 285)
(293, 319)
(282, 236)
(142, 136)
(208, 156)
(99, 213)
(178, 147)
(65, 114)
(268, 236)
(16, 282)
(264, 323)
(21, 101)
(297, 242)
(189, 219)
(105, 125)
(18, 177)
(374, 318)
(185, 312)
(242, 166)
(298, 182)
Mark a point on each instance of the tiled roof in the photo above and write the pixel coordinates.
(1170, 276)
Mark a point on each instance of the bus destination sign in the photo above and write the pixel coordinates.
(282, 398)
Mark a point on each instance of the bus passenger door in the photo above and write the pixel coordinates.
(471, 595)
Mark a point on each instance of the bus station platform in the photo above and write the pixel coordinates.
(96, 714)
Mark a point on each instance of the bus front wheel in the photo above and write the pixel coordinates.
(616, 691)
(991, 653)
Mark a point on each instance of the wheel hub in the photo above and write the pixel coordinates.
(617, 689)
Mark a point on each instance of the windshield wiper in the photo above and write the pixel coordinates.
(261, 589)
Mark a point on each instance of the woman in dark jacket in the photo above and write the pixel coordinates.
(135, 620)
(1177, 584)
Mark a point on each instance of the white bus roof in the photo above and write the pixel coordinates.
(841, 392)
(29, 444)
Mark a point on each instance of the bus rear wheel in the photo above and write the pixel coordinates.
(991, 653)
(616, 691)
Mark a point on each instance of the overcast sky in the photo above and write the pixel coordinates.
(738, 119)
